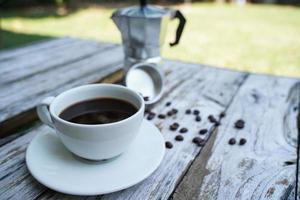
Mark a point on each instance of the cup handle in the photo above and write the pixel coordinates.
(43, 111)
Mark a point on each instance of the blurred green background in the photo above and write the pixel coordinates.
(262, 38)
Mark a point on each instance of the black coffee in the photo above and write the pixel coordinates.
(98, 111)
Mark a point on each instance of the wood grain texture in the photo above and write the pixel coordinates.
(263, 168)
(26, 65)
(32, 48)
(212, 90)
(95, 63)
(298, 167)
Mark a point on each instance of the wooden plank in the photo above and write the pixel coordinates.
(26, 65)
(263, 168)
(298, 167)
(23, 95)
(212, 91)
(33, 47)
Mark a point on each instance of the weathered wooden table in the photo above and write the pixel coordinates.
(264, 168)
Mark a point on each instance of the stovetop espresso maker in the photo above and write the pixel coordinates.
(143, 31)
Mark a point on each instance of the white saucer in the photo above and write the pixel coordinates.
(55, 167)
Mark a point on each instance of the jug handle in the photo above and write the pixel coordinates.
(180, 27)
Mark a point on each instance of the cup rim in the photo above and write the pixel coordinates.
(140, 109)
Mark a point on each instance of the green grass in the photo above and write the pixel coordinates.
(255, 38)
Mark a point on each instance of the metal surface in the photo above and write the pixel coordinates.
(143, 31)
(147, 79)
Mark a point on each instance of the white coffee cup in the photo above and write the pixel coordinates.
(94, 142)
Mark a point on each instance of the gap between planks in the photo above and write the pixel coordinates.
(201, 167)
(206, 151)
(297, 192)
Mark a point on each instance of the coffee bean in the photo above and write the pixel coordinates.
(196, 112)
(217, 123)
(289, 162)
(199, 141)
(198, 118)
(239, 124)
(146, 98)
(151, 115)
(295, 108)
(212, 119)
(179, 138)
(202, 131)
(232, 141)
(183, 130)
(168, 103)
(196, 140)
(188, 111)
(242, 141)
(169, 145)
(161, 116)
(174, 111)
(170, 113)
(202, 143)
(222, 114)
(174, 126)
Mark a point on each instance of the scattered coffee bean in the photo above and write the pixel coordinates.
(183, 130)
(222, 114)
(202, 131)
(201, 143)
(151, 115)
(242, 141)
(168, 103)
(212, 119)
(217, 123)
(295, 108)
(289, 162)
(198, 118)
(161, 116)
(179, 138)
(232, 141)
(188, 111)
(170, 113)
(196, 112)
(174, 111)
(174, 126)
(169, 145)
(146, 98)
(196, 140)
(239, 124)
